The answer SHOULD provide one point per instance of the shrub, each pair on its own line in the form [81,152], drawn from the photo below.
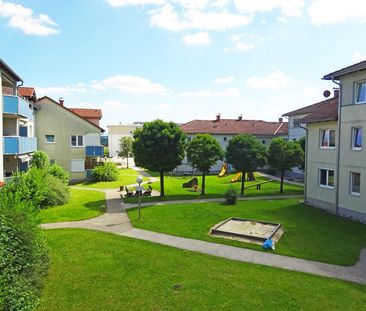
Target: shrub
[59,172]
[23,254]
[40,159]
[57,192]
[106,172]
[230,196]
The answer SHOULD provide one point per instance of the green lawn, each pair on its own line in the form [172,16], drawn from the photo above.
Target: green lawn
[126,176]
[83,204]
[215,188]
[310,233]
[98,271]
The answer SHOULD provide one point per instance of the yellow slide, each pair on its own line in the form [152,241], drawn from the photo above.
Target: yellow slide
[236,178]
[223,171]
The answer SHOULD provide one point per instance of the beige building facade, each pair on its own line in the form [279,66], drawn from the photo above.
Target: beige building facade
[68,139]
[116,132]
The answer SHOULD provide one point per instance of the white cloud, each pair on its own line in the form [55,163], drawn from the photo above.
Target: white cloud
[330,11]
[230,92]
[199,38]
[130,84]
[167,17]
[290,8]
[24,19]
[120,3]
[60,90]
[241,46]
[358,57]
[163,107]
[273,81]
[202,93]
[224,80]
[114,105]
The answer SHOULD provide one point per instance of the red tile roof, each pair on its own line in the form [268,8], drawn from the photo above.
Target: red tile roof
[344,71]
[326,112]
[88,113]
[26,91]
[2,184]
[232,126]
[312,108]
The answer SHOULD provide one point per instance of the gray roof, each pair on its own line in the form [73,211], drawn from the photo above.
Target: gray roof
[9,70]
[344,71]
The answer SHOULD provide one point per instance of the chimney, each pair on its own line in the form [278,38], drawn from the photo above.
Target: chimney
[240,117]
[218,116]
[336,92]
[61,101]
[280,120]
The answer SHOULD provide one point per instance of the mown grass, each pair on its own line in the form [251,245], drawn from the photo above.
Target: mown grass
[98,271]
[83,204]
[310,233]
[126,176]
[216,187]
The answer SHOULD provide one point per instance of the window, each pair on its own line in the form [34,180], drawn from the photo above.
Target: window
[326,178]
[356,138]
[327,139]
[77,140]
[225,138]
[355,183]
[77,165]
[361,92]
[296,123]
[189,139]
[263,142]
[50,139]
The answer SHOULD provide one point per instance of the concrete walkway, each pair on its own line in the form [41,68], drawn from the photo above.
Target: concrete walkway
[116,221]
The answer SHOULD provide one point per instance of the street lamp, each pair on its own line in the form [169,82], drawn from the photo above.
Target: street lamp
[139,191]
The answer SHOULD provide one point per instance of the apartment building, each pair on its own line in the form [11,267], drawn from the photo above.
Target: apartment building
[18,141]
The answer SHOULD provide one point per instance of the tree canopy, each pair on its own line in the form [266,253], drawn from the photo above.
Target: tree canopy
[125,147]
[204,151]
[246,154]
[284,155]
[159,146]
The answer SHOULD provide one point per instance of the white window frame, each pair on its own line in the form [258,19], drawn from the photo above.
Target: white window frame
[353,138]
[49,142]
[358,85]
[356,194]
[321,138]
[77,136]
[327,177]
[77,170]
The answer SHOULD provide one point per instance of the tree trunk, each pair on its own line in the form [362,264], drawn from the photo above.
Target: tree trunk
[162,183]
[242,182]
[203,183]
[127,160]
[281,185]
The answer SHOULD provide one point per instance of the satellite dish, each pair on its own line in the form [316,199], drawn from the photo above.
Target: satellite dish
[326,93]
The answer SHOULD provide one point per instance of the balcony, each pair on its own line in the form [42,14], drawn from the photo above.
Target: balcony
[19,145]
[17,106]
[94,151]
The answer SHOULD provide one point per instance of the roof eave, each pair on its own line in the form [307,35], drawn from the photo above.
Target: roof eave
[11,71]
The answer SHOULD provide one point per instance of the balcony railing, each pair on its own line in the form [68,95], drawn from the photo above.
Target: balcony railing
[94,151]
[19,145]
[17,105]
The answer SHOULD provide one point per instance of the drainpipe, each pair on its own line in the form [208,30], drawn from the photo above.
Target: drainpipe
[338,149]
[306,165]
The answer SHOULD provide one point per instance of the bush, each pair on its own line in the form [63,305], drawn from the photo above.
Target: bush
[58,171]
[23,254]
[106,172]
[230,197]
[40,159]
[39,188]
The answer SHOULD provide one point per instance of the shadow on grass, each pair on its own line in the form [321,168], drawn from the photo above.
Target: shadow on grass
[99,205]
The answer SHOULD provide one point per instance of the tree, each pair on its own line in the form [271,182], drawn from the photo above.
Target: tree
[284,155]
[40,159]
[302,142]
[159,146]
[125,147]
[204,151]
[246,154]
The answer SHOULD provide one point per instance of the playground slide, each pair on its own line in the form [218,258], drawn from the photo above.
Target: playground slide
[223,171]
[236,178]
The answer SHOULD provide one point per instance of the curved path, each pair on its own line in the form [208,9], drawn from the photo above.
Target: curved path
[116,221]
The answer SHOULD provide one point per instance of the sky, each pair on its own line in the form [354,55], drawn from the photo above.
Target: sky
[180,60]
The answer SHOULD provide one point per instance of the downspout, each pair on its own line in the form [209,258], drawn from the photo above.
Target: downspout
[338,149]
[306,164]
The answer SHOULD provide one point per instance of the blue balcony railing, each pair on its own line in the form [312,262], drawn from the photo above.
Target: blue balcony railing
[94,151]
[19,145]
[17,105]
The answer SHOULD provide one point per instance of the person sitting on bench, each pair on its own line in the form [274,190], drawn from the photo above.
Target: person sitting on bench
[148,191]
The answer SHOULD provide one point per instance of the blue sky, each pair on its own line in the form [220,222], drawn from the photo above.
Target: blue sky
[179,60]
